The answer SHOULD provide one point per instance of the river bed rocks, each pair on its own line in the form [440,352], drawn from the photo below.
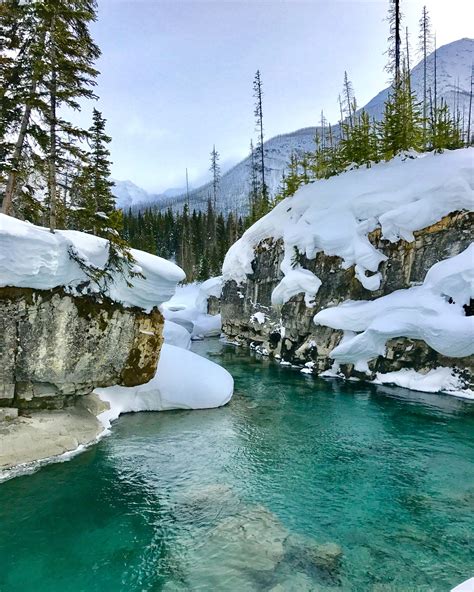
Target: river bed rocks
[245,547]
[289,334]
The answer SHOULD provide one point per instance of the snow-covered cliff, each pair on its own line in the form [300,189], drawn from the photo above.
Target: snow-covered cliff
[336,274]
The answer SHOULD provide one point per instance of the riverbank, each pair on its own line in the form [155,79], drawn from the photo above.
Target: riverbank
[38,437]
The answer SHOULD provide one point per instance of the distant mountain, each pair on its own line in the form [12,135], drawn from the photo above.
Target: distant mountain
[453,66]
[128,195]
[453,63]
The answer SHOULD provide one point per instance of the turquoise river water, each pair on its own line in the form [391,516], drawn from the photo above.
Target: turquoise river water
[242,498]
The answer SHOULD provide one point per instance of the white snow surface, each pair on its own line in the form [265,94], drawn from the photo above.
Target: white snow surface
[336,215]
[32,257]
[440,379]
[432,312]
[467,586]
[188,308]
[183,380]
[175,334]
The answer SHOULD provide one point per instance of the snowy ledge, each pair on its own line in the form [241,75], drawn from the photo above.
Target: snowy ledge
[336,215]
[33,257]
[435,312]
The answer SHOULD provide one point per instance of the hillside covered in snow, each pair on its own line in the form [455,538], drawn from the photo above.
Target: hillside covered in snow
[454,63]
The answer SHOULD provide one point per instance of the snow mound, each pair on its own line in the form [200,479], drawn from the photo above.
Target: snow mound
[437,380]
[432,312]
[188,308]
[175,334]
[467,586]
[203,385]
[336,215]
[33,257]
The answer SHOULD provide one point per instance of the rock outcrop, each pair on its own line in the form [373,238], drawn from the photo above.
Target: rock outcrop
[289,333]
[55,347]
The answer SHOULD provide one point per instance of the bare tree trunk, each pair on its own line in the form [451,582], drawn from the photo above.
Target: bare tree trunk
[12,176]
[470,109]
[398,42]
[425,41]
[52,132]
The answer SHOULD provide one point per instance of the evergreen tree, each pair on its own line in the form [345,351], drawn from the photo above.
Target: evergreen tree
[23,43]
[258,112]
[402,126]
[254,184]
[54,69]
[445,133]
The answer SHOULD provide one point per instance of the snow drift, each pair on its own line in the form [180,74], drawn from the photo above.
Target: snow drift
[188,308]
[433,312]
[183,380]
[32,257]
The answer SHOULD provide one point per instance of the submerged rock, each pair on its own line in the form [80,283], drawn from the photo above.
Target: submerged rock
[249,550]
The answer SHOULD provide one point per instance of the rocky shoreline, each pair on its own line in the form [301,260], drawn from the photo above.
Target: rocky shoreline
[37,437]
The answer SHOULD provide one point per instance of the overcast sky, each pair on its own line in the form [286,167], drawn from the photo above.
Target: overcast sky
[176,76]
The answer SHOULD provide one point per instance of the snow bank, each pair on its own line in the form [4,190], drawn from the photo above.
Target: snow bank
[432,312]
[336,215]
[437,380]
[33,257]
[188,308]
[183,380]
[467,586]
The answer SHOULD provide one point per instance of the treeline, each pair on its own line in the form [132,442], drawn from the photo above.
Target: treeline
[53,172]
[197,241]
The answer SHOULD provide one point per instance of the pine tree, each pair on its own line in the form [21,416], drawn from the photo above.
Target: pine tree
[23,41]
[401,128]
[258,112]
[55,71]
[254,184]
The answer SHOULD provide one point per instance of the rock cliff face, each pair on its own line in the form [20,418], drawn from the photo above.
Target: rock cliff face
[55,347]
[289,332]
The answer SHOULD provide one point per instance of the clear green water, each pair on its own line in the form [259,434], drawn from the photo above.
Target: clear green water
[386,474]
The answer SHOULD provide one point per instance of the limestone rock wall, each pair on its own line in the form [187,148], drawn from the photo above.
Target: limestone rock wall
[290,334]
[55,347]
